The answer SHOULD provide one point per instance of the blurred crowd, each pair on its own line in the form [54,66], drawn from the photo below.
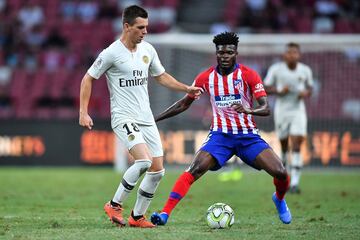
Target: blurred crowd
[293,16]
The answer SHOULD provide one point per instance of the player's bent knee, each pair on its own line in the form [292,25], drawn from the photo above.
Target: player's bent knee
[134,172]
[143,164]
[281,173]
[157,175]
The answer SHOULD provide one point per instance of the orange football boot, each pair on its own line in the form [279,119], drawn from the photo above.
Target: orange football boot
[115,214]
[141,223]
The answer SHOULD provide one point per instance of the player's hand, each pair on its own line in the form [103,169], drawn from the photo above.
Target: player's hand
[85,120]
[284,91]
[304,94]
[238,107]
[194,91]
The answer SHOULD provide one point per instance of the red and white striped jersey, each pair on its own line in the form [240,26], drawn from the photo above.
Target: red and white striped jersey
[238,87]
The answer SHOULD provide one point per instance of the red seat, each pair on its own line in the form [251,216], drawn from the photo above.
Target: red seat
[343,26]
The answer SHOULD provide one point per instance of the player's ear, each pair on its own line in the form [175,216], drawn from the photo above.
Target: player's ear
[126,27]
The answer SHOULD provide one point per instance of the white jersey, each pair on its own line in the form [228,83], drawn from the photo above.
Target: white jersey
[279,76]
[127,79]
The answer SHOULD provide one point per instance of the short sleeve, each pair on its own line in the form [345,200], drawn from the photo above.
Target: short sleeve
[256,84]
[270,76]
[102,63]
[200,82]
[156,68]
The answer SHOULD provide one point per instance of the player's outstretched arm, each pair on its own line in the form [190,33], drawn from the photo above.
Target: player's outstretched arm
[85,93]
[178,107]
[169,81]
[261,110]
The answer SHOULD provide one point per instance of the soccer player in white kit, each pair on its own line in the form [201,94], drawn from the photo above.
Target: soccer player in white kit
[126,64]
[291,81]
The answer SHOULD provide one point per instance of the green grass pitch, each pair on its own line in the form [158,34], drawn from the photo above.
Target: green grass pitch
[66,203]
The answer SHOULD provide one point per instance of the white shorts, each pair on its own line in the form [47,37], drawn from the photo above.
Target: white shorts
[131,133]
[290,125]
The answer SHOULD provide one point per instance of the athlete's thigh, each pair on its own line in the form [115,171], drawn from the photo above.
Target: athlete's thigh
[202,163]
[248,147]
[220,146]
[270,162]
[131,136]
[153,140]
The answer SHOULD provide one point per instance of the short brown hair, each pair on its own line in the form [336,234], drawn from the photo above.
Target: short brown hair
[132,12]
[293,44]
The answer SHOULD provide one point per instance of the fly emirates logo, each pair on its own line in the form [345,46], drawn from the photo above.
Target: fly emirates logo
[227,100]
[137,80]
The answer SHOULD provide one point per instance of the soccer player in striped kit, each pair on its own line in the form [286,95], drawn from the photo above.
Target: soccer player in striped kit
[231,87]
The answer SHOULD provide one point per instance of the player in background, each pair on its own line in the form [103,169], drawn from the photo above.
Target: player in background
[291,81]
[231,88]
[127,62]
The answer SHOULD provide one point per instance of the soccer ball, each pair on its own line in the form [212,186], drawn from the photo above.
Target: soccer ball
[220,215]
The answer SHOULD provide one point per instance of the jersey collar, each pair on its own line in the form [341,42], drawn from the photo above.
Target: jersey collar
[235,67]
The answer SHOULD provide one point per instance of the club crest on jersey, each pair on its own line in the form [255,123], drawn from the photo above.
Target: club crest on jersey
[131,137]
[145,59]
[238,83]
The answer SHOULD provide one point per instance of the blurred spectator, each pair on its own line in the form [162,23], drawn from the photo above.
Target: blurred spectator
[6,109]
[87,11]
[108,9]
[219,27]
[256,5]
[35,37]
[2,5]
[125,3]
[319,16]
[5,75]
[53,58]
[31,60]
[55,39]
[30,15]
[327,8]
[68,9]
[323,25]
[162,18]
[72,58]
[45,101]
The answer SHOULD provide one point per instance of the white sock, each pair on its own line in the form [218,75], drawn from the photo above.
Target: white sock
[296,165]
[146,191]
[130,178]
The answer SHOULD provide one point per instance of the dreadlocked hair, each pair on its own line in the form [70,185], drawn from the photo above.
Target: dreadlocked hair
[226,38]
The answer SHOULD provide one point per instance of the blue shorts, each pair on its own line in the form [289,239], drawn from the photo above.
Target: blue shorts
[222,146]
